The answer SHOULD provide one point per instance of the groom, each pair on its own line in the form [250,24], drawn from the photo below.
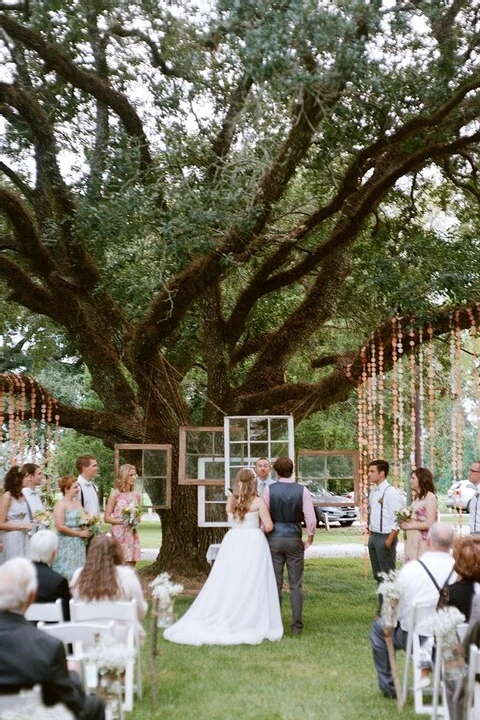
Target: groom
[289,504]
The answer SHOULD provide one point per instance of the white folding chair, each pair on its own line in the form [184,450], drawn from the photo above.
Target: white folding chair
[19,700]
[124,614]
[80,636]
[421,612]
[45,612]
[473,688]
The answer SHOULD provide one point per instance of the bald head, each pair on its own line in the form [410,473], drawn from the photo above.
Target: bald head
[440,537]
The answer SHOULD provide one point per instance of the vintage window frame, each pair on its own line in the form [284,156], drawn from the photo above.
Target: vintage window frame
[182,461]
[149,446]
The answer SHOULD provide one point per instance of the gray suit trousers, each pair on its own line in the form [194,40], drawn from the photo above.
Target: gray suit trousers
[289,551]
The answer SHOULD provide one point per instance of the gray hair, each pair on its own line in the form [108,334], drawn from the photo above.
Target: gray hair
[18,578]
[441,536]
[43,545]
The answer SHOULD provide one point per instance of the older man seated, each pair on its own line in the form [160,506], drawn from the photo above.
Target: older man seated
[51,585]
[417,587]
[29,656]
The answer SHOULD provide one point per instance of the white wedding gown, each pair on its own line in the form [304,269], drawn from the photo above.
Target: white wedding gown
[239,601]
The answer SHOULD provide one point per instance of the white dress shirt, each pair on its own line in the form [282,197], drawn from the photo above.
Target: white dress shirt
[88,496]
[262,484]
[384,501]
[33,500]
[474,510]
[417,586]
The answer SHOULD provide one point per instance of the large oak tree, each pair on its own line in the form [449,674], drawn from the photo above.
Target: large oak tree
[212,204]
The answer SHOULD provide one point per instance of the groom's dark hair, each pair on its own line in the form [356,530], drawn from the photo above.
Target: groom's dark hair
[283,466]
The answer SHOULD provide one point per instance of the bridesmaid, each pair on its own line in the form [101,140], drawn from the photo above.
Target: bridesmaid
[67,514]
[424,513]
[14,517]
[121,497]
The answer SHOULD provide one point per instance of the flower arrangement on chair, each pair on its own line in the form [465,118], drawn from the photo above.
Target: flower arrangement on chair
[444,626]
[163,592]
[108,659]
[391,592]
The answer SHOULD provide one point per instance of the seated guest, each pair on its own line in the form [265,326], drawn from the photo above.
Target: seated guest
[417,586]
[466,553]
[104,577]
[51,585]
[29,656]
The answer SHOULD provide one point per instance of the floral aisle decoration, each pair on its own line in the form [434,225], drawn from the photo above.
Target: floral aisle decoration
[444,626]
[106,662]
[131,516]
[391,592]
[163,593]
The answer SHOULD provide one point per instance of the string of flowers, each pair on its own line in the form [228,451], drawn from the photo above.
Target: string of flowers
[413,404]
[401,416]
[421,390]
[459,409]
[381,400]
[431,397]
[373,399]
[395,400]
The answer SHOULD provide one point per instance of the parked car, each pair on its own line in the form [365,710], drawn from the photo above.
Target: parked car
[344,513]
[459,495]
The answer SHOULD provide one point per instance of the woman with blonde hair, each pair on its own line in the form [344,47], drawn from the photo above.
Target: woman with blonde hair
[104,577]
[123,513]
[239,601]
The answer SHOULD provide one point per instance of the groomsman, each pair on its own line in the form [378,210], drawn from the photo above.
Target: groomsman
[262,470]
[384,501]
[31,486]
[87,467]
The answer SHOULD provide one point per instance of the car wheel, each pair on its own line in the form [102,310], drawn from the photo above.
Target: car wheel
[346,523]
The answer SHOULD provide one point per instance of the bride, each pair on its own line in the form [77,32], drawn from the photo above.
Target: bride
[239,601]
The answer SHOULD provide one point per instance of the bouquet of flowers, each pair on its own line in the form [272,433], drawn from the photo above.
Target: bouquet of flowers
[91,522]
[42,518]
[131,516]
[403,515]
[48,498]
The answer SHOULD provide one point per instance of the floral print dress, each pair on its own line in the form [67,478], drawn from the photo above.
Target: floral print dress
[72,550]
[124,534]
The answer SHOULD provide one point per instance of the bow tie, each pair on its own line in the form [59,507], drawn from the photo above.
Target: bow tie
[88,483]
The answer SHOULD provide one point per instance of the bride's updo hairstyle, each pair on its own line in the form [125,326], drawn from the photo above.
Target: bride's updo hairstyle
[244,492]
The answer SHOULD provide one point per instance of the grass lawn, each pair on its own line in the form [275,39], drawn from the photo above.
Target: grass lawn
[326,673]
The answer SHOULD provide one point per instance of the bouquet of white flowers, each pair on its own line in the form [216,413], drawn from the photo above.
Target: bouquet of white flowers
[91,522]
[131,516]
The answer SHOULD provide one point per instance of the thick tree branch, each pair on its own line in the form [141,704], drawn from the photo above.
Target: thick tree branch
[27,191]
[89,82]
